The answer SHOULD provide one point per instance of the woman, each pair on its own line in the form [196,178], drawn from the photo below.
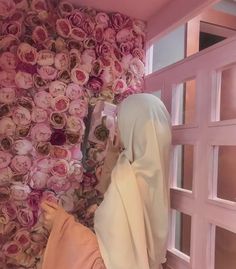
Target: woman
[131,223]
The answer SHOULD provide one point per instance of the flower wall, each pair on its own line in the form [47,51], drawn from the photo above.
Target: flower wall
[56,63]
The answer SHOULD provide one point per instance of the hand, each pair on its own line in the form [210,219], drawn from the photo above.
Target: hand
[49,211]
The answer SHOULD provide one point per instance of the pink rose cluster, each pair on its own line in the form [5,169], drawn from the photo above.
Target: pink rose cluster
[56,60]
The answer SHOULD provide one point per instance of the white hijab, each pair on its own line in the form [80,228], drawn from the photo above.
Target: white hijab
[131,223]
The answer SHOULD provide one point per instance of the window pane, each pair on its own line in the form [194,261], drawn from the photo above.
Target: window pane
[182,232]
[225,249]
[184,158]
[226,183]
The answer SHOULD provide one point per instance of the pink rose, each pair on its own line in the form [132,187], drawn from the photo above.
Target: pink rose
[105,49]
[117,68]
[7,78]
[21,116]
[58,184]
[41,132]
[89,181]
[107,75]
[39,5]
[89,43]
[32,20]
[57,88]
[6,143]
[57,120]
[75,57]
[21,164]
[88,25]
[7,126]
[99,34]
[39,115]
[27,53]
[102,19]
[124,35]
[60,153]
[60,168]
[64,76]
[76,153]
[60,103]
[120,21]
[45,164]
[8,42]
[39,82]
[43,148]
[139,53]
[7,95]
[76,171]
[45,57]
[22,236]
[75,124]
[5,176]
[4,219]
[5,195]
[22,147]
[76,18]
[40,34]
[21,4]
[13,28]
[25,217]
[110,35]
[9,209]
[65,8]
[8,61]
[119,86]
[95,84]
[22,130]
[49,196]
[73,91]
[126,47]
[139,27]
[78,34]
[78,108]
[26,102]
[11,249]
[39,180]
[7,8]
[19,191]
[67,201]
[79,76]
[88,56]
[47,72]
[5,159]
[62,61]
[43,99]
[63,27]
[24,80]
[137,67]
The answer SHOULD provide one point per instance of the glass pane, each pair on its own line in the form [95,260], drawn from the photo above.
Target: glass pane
[184,99]
[225,249]
[182,232]
[169,49]
[226,183]
[184,158]
[228,94]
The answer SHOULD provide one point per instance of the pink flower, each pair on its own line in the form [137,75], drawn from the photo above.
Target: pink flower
[4,110]
[5,159]
[110,35]
[62,61]
[64,76]
[19,191]
[39,5]
[79,76]
[41,132]
[124,35]
[6,143]
[25,217]
[7,8]
[126,47]
[60,153]
[105,49]
[139,53]
[76,169]
[117,68]
[75,124]
[39,180]
[21,164]
[65,8]
[57,88]
[24,80]
[49,196]
[7,126]
[139,27]
[27,53]
[8,41]
[57,120]
[60,103]
[137,67]
[44,164]
[89,43]
[22,130]
[95,84]
[43,148]
[58,184]
[74,91]
[78,108]
[7,95]
[9,209]
[21,4]
[60,168]
[88,56]
[99,34]
[45,57]
[102,19]
[7,78]
[40,34]
[78,34]
[75,57]
[47,72]
[39,82]
[39,115]
[63,27]
[43,99]
[67,201]
[8,61]
[11,249]
[4,219]
[5,194]
[5,176]
[120,21]
[89,181]
[26,102]
[76,153]
[58,138]
[13,28]
[22,236]
[119,86]
[76,18]
[21,116]
[22,147]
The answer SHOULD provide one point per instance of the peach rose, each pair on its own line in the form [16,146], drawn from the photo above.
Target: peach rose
[78,108]
[74,91]
[75,124]
[41,132]
[7,78]
[8,61]
[27,53]
[60,103]
[57,88]
[7,95]
[24,80]
[39,115]
[47,72]
[21,116]
[60,168]
[21,164]
[62,61]
[43,99]
[79,76]
[45,57]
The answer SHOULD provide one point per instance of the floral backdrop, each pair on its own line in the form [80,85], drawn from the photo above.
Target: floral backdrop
[57,62]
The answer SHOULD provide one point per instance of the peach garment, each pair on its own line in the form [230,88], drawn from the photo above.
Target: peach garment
[71,246]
